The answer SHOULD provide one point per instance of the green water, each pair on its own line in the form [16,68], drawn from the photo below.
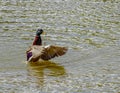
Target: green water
[89,28]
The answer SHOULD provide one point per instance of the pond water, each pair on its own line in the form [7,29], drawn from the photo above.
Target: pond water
[89,28]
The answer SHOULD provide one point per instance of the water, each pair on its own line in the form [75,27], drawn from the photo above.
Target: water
[89,28]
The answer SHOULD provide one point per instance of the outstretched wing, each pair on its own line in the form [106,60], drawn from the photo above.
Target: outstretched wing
[52,51]
[45,52]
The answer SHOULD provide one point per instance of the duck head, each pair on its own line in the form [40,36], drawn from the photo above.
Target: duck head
[39,32]
[38,40]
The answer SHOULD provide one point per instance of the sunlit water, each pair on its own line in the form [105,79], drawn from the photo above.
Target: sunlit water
[91,31]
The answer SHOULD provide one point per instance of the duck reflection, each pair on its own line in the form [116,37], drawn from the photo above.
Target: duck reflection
[40,70]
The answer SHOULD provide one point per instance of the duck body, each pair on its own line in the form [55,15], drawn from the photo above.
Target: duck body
[38,52]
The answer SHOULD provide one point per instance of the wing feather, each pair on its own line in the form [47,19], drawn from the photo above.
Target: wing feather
[46,52]
[53,51]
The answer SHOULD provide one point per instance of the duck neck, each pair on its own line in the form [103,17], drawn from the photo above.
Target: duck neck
[37,40]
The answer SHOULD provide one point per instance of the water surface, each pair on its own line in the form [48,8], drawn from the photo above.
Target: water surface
[91,31]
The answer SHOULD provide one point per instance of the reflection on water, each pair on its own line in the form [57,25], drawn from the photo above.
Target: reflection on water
[42,69]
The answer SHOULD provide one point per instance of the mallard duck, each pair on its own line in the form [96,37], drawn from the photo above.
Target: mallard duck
[38,51]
